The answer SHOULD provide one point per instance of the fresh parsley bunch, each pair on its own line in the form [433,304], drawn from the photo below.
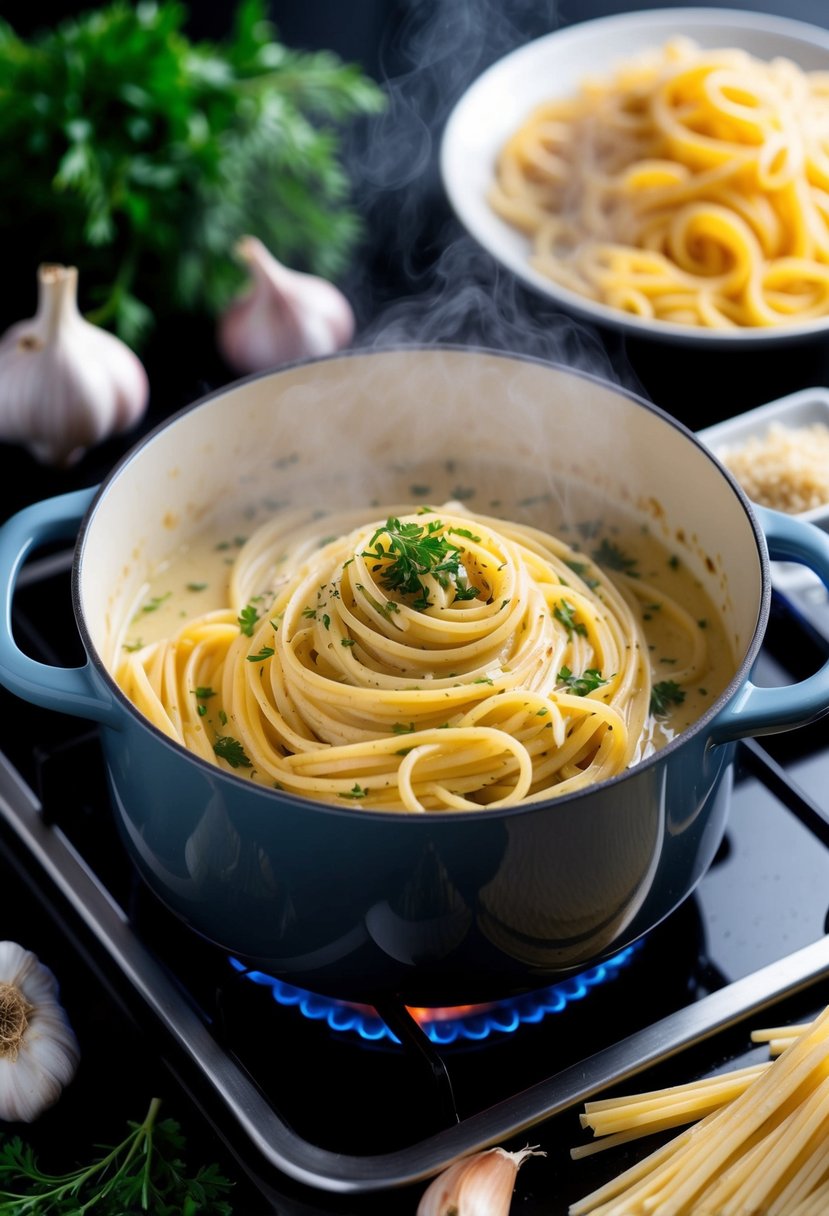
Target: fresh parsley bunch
[142,157]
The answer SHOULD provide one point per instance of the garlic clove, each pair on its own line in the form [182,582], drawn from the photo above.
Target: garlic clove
[479,1185]
[66,384]
[39,1053]
[284,315]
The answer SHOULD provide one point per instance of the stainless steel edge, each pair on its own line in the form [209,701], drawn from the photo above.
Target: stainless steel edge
[297,1158]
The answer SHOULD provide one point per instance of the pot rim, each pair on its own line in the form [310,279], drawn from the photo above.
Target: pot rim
[454,817]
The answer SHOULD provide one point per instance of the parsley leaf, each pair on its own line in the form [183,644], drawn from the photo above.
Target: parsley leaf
[356,791]
[588,681]
[611,557]
[231,749]
[565,614]
[247,619]
[664,694]
[264,653]
[153,605]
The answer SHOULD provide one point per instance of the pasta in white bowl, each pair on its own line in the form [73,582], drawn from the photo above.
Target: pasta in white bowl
[662,172]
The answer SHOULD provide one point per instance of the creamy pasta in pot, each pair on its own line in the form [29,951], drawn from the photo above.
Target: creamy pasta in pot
[424,659]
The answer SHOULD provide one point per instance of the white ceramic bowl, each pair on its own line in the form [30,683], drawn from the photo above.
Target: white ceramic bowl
[554,66]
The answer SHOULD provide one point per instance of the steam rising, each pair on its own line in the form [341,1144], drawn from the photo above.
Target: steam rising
[438,285]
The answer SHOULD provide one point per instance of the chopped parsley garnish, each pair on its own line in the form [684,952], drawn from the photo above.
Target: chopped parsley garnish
[407,552]
[203,694]
[565,615]
[197,586]
[231,749]
[356,791]
[347,642]
[664,694]
[326,620]
[580,686]
[155,603]
[247,619]
[611,557]
[466,593]
[310,614]
[264,653]
[581,568]
[403,728]
[131,646]
[589,528]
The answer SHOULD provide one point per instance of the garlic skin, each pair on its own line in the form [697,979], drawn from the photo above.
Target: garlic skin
[479,1185]
[283,316]
[66,384]
[39,1052]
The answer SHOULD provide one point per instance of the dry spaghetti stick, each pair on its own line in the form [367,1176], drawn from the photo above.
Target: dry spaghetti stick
[670,1110]
[658,1095]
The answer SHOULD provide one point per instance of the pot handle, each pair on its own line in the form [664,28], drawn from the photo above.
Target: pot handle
[766,711]
[71,690]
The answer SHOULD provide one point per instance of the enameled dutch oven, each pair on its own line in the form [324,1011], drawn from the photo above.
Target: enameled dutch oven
[441,908]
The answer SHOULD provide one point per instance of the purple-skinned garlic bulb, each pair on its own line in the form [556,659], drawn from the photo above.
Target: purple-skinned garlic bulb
[284,315]
[66,384]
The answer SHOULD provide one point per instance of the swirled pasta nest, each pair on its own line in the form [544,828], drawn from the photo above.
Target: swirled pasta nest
[500,667]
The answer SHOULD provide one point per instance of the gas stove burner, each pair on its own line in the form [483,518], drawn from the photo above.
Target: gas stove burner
[472,1023]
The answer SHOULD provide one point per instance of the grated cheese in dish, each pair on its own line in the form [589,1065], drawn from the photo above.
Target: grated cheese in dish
[787,468]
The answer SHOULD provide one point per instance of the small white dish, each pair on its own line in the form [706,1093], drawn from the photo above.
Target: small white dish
[554,66]
[803,408]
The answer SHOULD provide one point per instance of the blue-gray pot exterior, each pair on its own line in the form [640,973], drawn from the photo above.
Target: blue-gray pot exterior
[436,909]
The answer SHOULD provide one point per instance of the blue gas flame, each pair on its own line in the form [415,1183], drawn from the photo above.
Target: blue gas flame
[474,1023]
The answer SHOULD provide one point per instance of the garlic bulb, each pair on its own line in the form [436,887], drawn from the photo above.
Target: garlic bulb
[65,384]
[283,316]
[479,1185]
[39,1053]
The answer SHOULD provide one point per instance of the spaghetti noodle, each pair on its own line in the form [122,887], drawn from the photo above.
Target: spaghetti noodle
[418,661]
[689,186]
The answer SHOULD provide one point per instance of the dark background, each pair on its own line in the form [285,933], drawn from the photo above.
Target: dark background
[417,277]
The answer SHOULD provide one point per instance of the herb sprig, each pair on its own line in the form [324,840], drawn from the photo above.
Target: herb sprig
[152,154]
[406,552]
[589,680]
[143,1173]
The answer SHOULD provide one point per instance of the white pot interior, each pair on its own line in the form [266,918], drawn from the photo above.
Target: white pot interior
[514,438]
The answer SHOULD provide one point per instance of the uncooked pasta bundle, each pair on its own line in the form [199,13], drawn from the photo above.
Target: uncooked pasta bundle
[688,186]
[435,660]
[758,1144]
